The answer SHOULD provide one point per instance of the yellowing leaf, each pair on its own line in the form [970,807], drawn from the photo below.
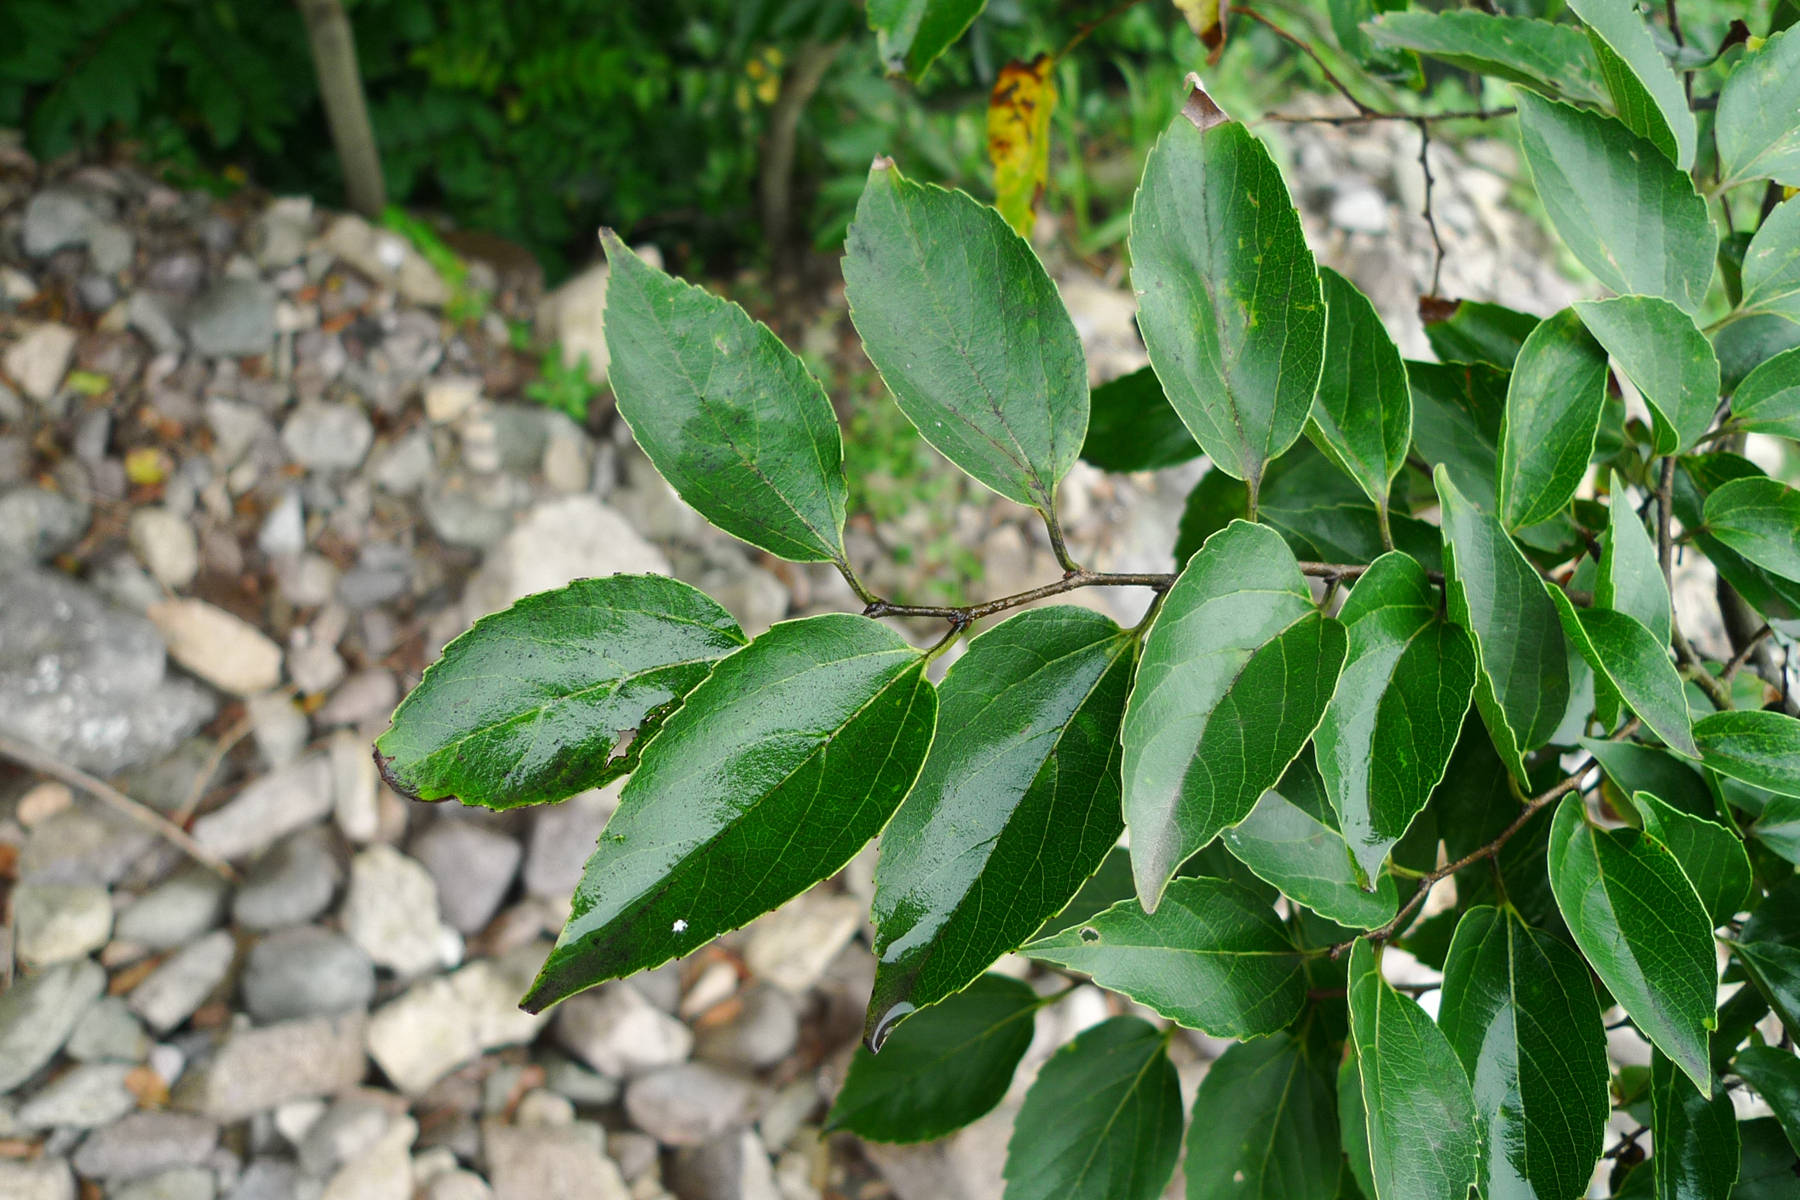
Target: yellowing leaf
[147,465]
[1203,18]
[1018,133]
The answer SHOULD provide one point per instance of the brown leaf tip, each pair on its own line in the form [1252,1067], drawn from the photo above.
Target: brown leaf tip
[882,163]
[1200,108]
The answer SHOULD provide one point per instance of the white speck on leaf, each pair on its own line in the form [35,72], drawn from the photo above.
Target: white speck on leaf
[680,926]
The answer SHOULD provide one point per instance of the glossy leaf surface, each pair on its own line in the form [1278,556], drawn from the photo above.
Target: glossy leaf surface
[1520,1013]
[1263,1127]
[1642,927]
[1517,49]
[1630,578]
[1423,1143]
[1760,748]
[1522,666]
[1758,137]
[1645,92]
[1636,665]
[1016,806]
[1623,209]
[1229,301]
[1552,414]
[1775,1074]
[1711,856]
[528,706]
[942,1068]
[1768,400]
[1666,357]
[1479,332]
[1389,730]
[774,773]
[1235,675]
[728,415]
[1695,1135]
[1457,412]
[1132,427]
[1768,946]
[1103,1120]
[1362,415]
[1760,519]
[969,333]
[1213,957]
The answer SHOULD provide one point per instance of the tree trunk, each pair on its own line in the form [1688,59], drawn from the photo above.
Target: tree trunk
[776,182]
[340,87]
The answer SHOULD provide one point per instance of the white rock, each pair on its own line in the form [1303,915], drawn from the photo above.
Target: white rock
[260,1069]
[324,436]
[619,1033]
[441,1023]
[391,911]
[1359,209]
[355,785]
[87,1097]
[792,946]
[690,1104]
[534,1162]
[450,397]
[165,544]
[575,537]
[283,531]
[39,1179]
[269,809]
[381,1172]
[457,1185]
[226,651]
[574,316]
[38,361]
[388,259]
[171,993]
[56,922]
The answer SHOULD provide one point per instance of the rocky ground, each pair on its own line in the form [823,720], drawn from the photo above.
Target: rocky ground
[252,478]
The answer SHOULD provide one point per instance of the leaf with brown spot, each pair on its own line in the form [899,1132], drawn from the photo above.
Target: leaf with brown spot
[1018,138]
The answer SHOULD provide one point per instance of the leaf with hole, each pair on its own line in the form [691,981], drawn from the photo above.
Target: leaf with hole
[728,415]
[1520,1013]
[1521,659]
[528,706]
[1423,1140]
[1643,929]
[1229,301]
[942,1067]
[1212,957]
[1015,808]
[1393,721]
[773,774]
[969,333]
[1624,210]
[1103,1120]
[1235,675]
[1553,403]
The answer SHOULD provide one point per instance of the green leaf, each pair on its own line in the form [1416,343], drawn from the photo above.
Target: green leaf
[1777,828]
[1107,886]
[941,1068]
[910,34]
[529,704]
[1478,332]
[1347,17]
[1634,664]
[1695,1136]
[1389,730]
[1769,594]
[1213,957]
[1353,1124]
[1668,360]
[964,324]
[1711,856]
[1421,1114]
[1131,426]
[791,755]
[1775,1074]
[1760,748]
[1362,415]
[1772,265]
[1264,1126]
[728,415]
[1016,806]
[1457,412]
[1236,672]
[1521,658]
[1229,300]
[1637,768]
[1516,49]
[1630,579]
[1291,840]
[1623,209]
[1755,127]
[1760,519]
[1520,1012]
[1768,946]
[1767,1170]
[1644,89]
[1642,927]
[1103,1120]
[1553,406]
[1768,400]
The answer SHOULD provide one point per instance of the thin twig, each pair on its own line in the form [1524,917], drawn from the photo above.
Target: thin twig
[1082,32]
[1744,655]
[1532,807]
[1054,527]
[1665,545]
[34,759]
[197,791]
[1306,48]
[1375,114]
[1437,240]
